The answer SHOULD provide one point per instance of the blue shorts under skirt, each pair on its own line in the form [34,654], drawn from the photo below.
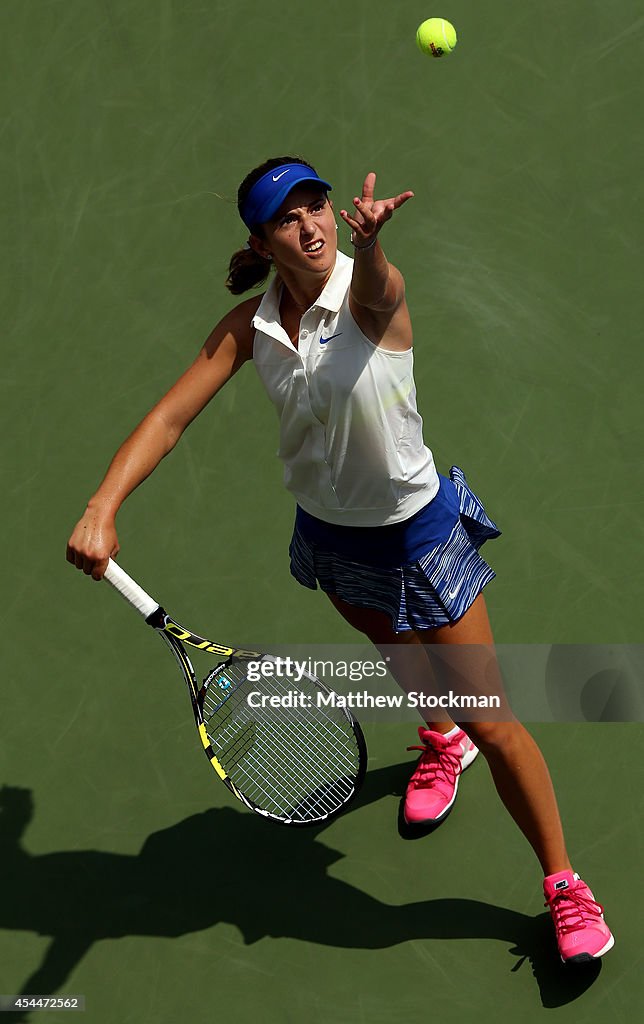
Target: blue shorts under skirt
[433,590]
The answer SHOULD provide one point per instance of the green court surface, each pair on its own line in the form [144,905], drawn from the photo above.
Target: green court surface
[127,873]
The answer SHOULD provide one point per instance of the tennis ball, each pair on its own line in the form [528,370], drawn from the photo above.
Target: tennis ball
[436,36]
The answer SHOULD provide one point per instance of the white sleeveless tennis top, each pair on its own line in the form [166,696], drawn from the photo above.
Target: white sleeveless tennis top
[350,434]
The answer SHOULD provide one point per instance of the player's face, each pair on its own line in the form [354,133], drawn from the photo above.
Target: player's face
[303,234]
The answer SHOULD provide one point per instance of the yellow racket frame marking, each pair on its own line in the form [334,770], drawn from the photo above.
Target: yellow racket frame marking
[179,632]
[201,644]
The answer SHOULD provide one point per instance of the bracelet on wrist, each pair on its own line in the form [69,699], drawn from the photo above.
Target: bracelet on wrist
[369,246]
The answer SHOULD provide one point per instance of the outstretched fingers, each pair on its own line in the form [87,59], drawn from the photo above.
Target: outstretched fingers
[400,200]
[369,187]
[370,214]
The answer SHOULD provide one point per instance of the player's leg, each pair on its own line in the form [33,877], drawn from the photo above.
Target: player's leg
[406,657]
[519,771]
[445,750]
[517,765]
[523,782]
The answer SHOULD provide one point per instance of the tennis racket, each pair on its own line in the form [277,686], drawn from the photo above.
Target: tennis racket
[296,766]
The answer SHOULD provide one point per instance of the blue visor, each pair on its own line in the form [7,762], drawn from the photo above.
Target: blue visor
[267,195]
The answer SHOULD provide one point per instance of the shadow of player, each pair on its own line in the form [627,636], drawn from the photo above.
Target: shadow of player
[225,865]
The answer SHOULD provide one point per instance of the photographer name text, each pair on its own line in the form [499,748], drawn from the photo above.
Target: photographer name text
[363,699]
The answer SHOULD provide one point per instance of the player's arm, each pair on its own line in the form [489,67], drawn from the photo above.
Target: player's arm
[94,538]
[377,287]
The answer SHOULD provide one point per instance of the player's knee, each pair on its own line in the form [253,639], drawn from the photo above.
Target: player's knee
[491,737]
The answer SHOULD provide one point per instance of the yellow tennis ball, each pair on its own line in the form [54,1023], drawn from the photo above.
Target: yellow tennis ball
[436,37]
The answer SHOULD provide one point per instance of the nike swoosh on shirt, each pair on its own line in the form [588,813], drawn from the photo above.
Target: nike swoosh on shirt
[452,593]
[323,341]
[276,177]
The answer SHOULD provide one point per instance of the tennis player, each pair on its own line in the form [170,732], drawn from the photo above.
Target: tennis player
[394,544]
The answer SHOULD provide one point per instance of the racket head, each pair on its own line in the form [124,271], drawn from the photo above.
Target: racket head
[297,765]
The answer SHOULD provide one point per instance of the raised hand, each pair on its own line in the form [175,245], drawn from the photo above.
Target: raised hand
[370,214]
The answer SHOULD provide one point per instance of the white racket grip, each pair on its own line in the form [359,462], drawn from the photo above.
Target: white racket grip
[131,591]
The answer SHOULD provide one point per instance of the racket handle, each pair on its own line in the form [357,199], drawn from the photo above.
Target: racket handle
[131,591]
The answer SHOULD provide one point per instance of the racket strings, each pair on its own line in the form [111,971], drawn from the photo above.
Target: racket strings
[291,763]
[328,730]
[300,805]
[304,800]
[316,721]
[294,801]
[285,735]
[334,731]
[328,793]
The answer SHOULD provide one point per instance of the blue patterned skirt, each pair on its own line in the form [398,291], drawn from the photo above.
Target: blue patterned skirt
[423,573]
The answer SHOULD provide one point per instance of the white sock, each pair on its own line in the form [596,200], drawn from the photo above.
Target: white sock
[452,732]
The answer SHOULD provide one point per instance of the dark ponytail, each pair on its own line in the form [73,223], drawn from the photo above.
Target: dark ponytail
[247,269]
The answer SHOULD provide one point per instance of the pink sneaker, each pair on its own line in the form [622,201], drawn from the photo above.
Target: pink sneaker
[579,923]
[432,788]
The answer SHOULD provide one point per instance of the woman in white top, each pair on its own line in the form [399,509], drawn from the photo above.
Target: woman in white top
[392,543]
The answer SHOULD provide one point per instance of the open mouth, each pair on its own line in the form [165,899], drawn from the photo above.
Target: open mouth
[314,246]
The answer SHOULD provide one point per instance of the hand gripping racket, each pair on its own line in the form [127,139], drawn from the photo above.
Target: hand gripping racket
[295,765]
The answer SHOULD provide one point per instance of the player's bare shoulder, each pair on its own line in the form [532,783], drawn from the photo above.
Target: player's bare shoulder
[236,330]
